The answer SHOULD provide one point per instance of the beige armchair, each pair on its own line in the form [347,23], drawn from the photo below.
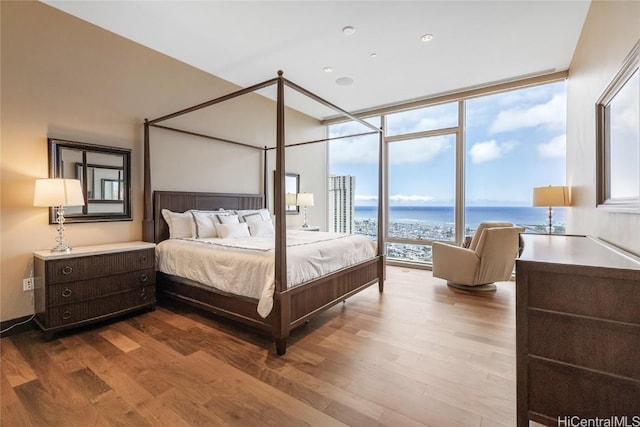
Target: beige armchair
[489,258]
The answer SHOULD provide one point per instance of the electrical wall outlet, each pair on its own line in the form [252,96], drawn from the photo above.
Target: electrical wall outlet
[27,284]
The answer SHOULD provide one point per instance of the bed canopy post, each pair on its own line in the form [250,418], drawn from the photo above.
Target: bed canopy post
[147,222]
[281,322]
[382,180]
[265,179]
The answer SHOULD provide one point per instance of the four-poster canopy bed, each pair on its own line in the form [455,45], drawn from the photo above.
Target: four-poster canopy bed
[292,305]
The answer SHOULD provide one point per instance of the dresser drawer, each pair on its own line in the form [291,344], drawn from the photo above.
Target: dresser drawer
[70,292]
[559,390]
[81,268]
[611,298]
[106,306]
[589,343]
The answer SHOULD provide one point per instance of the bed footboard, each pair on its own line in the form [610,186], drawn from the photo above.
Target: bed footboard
[291,308]
[299,304]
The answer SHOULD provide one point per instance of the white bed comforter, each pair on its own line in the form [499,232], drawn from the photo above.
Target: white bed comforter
[245,266]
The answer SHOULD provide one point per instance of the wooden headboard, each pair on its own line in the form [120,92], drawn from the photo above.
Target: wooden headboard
[180,201]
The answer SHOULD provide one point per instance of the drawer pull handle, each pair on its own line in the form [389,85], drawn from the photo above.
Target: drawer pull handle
[66,293]
[66,315]
[143,258]
[67,270]
[143,295]
[143,277]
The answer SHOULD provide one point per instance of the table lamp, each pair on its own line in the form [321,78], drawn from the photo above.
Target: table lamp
[304,200]
[58,193]
[552,195]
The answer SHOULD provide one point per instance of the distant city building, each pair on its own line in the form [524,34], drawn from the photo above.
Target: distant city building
[341,203]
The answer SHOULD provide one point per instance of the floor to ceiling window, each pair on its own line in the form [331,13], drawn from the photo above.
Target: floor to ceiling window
[441,186]
[515,141]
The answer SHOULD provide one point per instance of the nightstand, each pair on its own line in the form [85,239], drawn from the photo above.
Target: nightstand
[92,283]
[309,228]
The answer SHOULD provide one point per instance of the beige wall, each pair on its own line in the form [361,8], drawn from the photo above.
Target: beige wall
[65,78]
[610,31]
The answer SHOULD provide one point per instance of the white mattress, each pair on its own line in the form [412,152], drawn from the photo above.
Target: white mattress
[245,266]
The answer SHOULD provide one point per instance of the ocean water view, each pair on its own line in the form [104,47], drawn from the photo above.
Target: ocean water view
[436,223]
[474,215]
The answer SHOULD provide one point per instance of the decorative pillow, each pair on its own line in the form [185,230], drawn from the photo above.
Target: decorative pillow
[205,223]
[262,213]
[261,228]
[228,219]
[240,229]
[181,225]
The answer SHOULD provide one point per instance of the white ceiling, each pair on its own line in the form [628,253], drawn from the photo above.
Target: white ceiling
[246,42]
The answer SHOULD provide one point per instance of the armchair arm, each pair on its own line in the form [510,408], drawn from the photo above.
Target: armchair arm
[455,264]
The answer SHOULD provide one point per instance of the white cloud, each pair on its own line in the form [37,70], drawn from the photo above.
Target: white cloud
[418,150]
[551,114]
[434,117]
[555,148]
[489,150]
[365,198]
[361,150]
[411,199]
[354,150]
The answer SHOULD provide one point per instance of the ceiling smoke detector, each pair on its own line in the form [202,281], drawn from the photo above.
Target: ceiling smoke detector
[344,81]
[348,30]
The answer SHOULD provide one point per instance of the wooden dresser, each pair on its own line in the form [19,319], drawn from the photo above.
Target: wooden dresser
[92,283]
[578,331]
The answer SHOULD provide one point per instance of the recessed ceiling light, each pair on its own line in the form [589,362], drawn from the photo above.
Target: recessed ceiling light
[427,37]
[348,30]
[373,55]
[344,81]
[327,69]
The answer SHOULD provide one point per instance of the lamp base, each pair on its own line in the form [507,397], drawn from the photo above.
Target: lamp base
[62,249]
[305,225]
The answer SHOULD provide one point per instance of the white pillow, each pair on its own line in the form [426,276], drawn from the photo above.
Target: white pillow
[261,228]
[181,225]
[253,213]
[228,219]
[233,230]
[205,224]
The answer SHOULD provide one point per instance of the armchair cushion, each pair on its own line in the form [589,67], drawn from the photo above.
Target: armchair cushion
[459,265]
[481,227]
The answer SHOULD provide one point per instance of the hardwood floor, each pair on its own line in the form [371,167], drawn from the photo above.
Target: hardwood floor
[419,354]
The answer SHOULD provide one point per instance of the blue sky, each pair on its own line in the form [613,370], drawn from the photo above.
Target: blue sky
[514,141]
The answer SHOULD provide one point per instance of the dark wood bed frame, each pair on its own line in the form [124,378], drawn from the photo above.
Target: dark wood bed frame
[291,307]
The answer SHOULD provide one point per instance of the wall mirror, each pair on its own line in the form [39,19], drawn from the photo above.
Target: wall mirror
[291,189]
[618,138]
[105,173]
[292,186]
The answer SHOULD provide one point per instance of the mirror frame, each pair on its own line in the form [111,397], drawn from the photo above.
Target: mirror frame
[605,139]
[55,171]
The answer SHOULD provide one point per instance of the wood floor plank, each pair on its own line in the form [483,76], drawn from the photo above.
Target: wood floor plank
[248,386]
[16,370]
[122,342]
[420,354]
[12,412]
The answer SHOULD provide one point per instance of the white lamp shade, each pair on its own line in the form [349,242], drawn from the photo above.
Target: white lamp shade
[305,199]
[552,195]
[290,199]
[58,192]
